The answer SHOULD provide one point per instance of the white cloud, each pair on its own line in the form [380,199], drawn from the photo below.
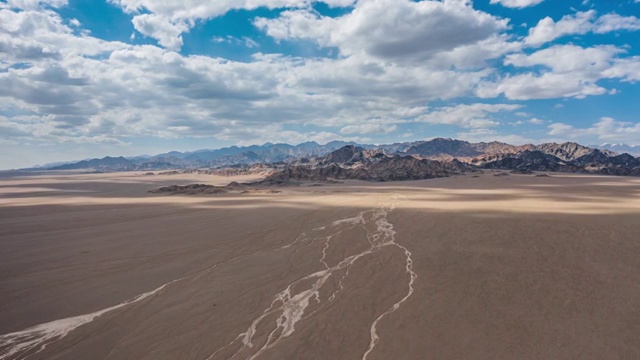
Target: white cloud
[578,24]
[275,133]
[146,91]
[568,58]
[627,69]
[477,55]
[569,71]
[243,41]
[534,121]
[605,130]
[192,10]
[548,30]
[614,22]
[249,42]
[384,28]
[489,135]
[78,86]
[408,134]
[166,20]
[368,129]
[168,33]
[516,3]
[560,129]
[40,35]
[468,116]
[296,24]
[395,30]
[35,4]
[546,86]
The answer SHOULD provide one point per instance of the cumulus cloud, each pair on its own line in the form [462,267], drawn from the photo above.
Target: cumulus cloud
[368,129]
[568,58]
[276,133]
[166,20]
[605,130]
[397,30]
[627,69]
[40,35]
[489,135]
[569,71]
[580,23]
[73,85]
[548,30]
[167,32]
[614,22]
[516,3]
[467,115]
[35,4]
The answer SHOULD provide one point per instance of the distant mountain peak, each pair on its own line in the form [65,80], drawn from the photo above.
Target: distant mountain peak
[622,148]
[567,156]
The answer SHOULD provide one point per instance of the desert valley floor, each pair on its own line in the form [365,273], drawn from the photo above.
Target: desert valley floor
[92,266]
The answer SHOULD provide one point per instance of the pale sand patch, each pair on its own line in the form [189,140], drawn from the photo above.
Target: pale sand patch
[514,267]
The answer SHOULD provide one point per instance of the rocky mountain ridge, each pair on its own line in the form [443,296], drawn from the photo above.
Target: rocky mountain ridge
[218,158]
[620,148]
[357,163]
[411,160]
[353,162]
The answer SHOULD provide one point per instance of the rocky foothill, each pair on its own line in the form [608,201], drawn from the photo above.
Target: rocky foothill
[427,160]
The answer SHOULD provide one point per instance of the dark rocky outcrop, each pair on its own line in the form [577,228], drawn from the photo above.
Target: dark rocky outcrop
[444,147]
[192,189]
[590,161]
[359,164]
[261,187]
[344,155]
[236,170]
[522,171]
[569,151]
[530,161]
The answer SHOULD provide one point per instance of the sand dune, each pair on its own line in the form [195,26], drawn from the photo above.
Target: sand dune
[516,267]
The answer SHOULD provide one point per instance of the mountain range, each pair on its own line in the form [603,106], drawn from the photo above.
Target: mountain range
[621,148]
[234,155]
[408,160]
[445,157]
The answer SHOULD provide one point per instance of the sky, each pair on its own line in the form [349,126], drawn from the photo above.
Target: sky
[91,78]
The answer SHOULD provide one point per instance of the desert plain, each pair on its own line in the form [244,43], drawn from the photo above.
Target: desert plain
[93,266]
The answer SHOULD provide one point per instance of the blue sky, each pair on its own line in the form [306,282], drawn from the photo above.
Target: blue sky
[90,78]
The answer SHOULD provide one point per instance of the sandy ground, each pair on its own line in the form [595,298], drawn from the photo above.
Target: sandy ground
[514,267]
